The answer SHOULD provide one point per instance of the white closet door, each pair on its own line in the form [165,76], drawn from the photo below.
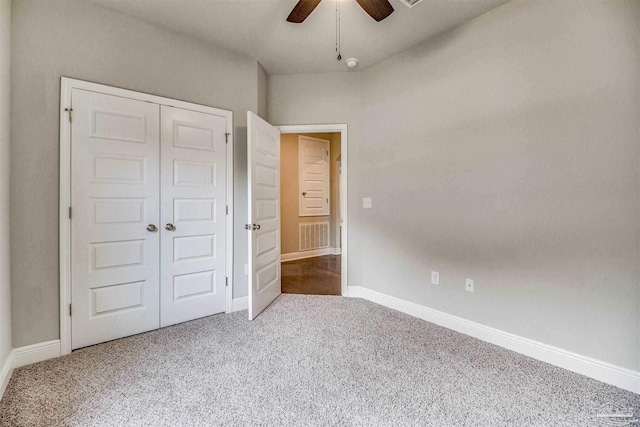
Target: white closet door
[193,206]
[263,148]
[114,195]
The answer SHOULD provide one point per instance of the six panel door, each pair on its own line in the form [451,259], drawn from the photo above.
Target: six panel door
[193,180]
[115,179]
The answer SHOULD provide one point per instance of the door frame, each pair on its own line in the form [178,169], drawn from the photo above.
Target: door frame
[344,211]
[66,86]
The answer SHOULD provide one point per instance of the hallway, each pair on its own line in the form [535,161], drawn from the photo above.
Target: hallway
[316,276]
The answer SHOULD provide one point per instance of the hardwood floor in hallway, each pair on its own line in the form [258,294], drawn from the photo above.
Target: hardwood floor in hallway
[315,276]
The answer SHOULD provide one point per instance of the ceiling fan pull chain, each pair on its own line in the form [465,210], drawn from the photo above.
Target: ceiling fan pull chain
[338,29]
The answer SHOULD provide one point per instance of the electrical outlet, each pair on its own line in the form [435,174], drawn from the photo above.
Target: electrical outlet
[435,278]
[366,202]
[468,285]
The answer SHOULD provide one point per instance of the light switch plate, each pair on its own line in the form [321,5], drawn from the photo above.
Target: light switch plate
[435,278]
[366,202]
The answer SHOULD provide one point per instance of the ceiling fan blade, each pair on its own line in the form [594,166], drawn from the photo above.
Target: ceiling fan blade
[301,10]
[377,9]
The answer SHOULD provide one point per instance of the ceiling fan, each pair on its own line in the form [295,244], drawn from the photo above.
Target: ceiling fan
[377,9]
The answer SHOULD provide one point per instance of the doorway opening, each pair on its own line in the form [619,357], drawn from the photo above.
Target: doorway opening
[313,209]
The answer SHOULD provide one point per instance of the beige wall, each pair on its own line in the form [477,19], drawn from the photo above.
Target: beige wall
[289,190]
[5,290]
[80,40]
[505,150]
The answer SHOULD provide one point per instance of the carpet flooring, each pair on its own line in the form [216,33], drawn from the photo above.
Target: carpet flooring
[307,360]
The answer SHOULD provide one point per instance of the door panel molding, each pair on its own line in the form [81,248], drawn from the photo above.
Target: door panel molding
[130,127]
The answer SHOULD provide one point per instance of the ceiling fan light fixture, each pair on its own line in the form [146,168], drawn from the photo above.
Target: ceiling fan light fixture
[352,62]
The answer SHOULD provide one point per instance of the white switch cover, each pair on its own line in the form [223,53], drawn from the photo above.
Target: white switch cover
[366,202]
[435,278]
[468,285]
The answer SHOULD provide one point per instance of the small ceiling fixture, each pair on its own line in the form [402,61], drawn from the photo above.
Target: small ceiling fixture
[352,62]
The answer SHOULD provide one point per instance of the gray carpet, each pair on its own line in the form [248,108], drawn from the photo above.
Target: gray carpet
[307,360]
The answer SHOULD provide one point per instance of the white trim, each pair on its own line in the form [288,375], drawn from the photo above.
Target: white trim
[229,275]
[5,373]
[69,83]
[65,222]
[240,304]
[344,211]
[602,371]
[34,353]
[336,251]
[66,86]
[27,355]
[292,256]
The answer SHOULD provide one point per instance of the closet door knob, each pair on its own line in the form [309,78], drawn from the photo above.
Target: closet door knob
[152,228]
[170,227]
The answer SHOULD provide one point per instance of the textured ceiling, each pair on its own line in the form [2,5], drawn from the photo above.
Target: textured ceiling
[258,28]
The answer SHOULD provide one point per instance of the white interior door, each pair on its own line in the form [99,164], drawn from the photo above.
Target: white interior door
[314,176]
[193,206]
[263,151]
[115,200]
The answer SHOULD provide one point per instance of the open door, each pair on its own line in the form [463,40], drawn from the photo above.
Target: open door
[263,152]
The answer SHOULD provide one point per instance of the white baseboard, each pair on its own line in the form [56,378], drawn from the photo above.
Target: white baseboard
[5,373]
[602,371]
[26,355]
[36,353]
[239,304]
[292,256]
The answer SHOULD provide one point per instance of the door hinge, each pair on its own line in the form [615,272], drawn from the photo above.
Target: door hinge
[327,152]
[227,210]
[226,281]
[69,309]
[70,111]
[226,137]
[327,200]
[69,212]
